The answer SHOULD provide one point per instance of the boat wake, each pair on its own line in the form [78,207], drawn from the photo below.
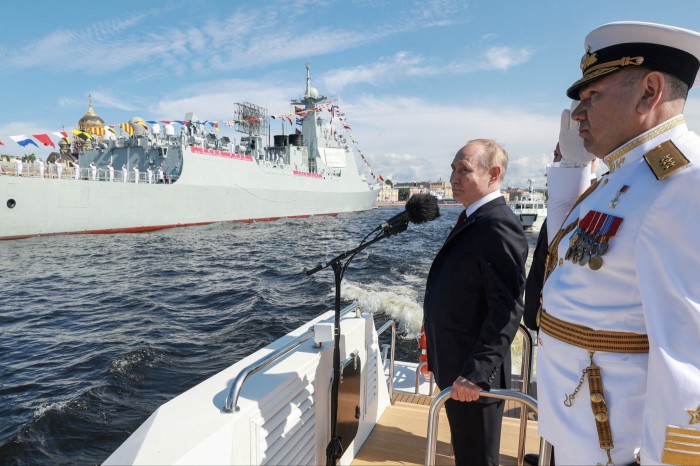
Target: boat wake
[399,302]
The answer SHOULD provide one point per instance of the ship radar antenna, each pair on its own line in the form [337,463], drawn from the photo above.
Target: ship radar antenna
[308,80]
[531,180]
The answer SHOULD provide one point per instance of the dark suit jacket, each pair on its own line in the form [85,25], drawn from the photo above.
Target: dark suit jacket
[473,298]
[535,280]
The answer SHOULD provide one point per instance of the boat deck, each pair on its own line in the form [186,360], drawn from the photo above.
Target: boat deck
[400,436]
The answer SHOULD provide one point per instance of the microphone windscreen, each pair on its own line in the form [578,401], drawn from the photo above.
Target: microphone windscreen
[422,208]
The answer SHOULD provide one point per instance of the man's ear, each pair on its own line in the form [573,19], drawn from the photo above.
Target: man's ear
[495,173]
[652,88]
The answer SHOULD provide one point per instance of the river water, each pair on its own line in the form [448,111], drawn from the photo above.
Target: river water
[97,331]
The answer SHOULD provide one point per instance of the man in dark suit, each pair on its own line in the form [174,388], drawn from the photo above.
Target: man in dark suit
[473,301]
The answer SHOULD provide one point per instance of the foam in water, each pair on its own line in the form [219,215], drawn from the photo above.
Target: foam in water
[400,302]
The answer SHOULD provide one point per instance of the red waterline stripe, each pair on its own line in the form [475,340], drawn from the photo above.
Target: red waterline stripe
[159,227]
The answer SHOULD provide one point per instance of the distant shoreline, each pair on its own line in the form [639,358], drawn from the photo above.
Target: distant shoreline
[403,203]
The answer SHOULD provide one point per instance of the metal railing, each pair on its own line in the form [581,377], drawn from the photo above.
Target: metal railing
[506,395]
[390,324]
[525,372]
[33,170]
[234,393]
[418,373]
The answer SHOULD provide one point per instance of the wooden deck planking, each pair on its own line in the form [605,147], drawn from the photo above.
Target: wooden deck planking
[400,436]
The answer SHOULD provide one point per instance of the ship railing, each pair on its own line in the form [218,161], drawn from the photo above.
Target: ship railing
[525,400]
[32,170]
[525,373]
[525,366]
[231,405]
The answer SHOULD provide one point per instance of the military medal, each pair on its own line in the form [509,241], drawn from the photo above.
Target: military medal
[602,247]
[608,230]
[575,252]
[591,243]
[616,201]
[595,262]
[591,239]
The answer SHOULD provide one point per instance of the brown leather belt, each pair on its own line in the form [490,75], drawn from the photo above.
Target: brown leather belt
[593,340]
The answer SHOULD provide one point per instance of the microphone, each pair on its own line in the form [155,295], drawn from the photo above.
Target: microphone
[420,208]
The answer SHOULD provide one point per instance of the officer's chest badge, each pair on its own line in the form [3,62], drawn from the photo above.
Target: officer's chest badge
[694,415]
[665,159]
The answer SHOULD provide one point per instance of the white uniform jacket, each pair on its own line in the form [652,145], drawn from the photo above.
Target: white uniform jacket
[649,283]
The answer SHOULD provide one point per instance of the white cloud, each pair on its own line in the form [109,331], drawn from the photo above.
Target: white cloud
[415,139]
[502,58]
[390,68]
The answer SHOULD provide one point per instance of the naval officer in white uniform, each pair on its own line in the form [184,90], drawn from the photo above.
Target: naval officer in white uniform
[619,357]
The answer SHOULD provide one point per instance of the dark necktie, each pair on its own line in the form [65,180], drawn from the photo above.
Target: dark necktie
[462,218]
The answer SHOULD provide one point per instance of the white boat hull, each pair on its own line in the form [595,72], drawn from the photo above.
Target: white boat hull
[284,409]
[532,220]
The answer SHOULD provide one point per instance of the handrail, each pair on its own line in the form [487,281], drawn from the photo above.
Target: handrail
[234,392]
[390,323]
[525,371]
[526,362]
[507,395]
[432,379]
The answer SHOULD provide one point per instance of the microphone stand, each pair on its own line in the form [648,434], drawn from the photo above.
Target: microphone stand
[334,450]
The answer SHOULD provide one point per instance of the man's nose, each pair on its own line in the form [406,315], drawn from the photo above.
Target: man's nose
[578,113]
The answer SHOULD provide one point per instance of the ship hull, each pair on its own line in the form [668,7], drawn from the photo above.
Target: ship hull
[212,188]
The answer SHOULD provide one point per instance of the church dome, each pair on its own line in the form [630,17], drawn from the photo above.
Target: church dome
[90,120]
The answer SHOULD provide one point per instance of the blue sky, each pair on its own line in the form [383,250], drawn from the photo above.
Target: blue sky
[416,79]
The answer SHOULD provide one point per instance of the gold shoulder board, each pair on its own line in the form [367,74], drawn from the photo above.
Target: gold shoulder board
[665,159]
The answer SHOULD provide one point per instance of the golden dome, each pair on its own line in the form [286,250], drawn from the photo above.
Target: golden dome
[90,119]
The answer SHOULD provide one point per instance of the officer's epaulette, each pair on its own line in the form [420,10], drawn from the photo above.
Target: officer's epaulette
[665,159]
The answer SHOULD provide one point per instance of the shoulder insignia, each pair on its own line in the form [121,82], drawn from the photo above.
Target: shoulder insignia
[665,159]
[681,446]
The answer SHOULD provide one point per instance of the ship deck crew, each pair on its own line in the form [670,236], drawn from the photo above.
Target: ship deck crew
[619,358]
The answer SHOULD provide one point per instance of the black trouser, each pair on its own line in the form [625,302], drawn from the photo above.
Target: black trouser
[476,431]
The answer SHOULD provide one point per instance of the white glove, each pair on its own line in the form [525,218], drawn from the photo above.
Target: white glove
[573,154]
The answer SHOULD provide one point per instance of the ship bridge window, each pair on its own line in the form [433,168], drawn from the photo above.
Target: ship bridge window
[163,152]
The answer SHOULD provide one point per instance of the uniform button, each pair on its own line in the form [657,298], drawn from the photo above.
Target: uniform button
[601,417]
[561,261]
[596,397]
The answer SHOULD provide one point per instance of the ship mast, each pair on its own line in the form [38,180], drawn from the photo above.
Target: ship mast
[307,94]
